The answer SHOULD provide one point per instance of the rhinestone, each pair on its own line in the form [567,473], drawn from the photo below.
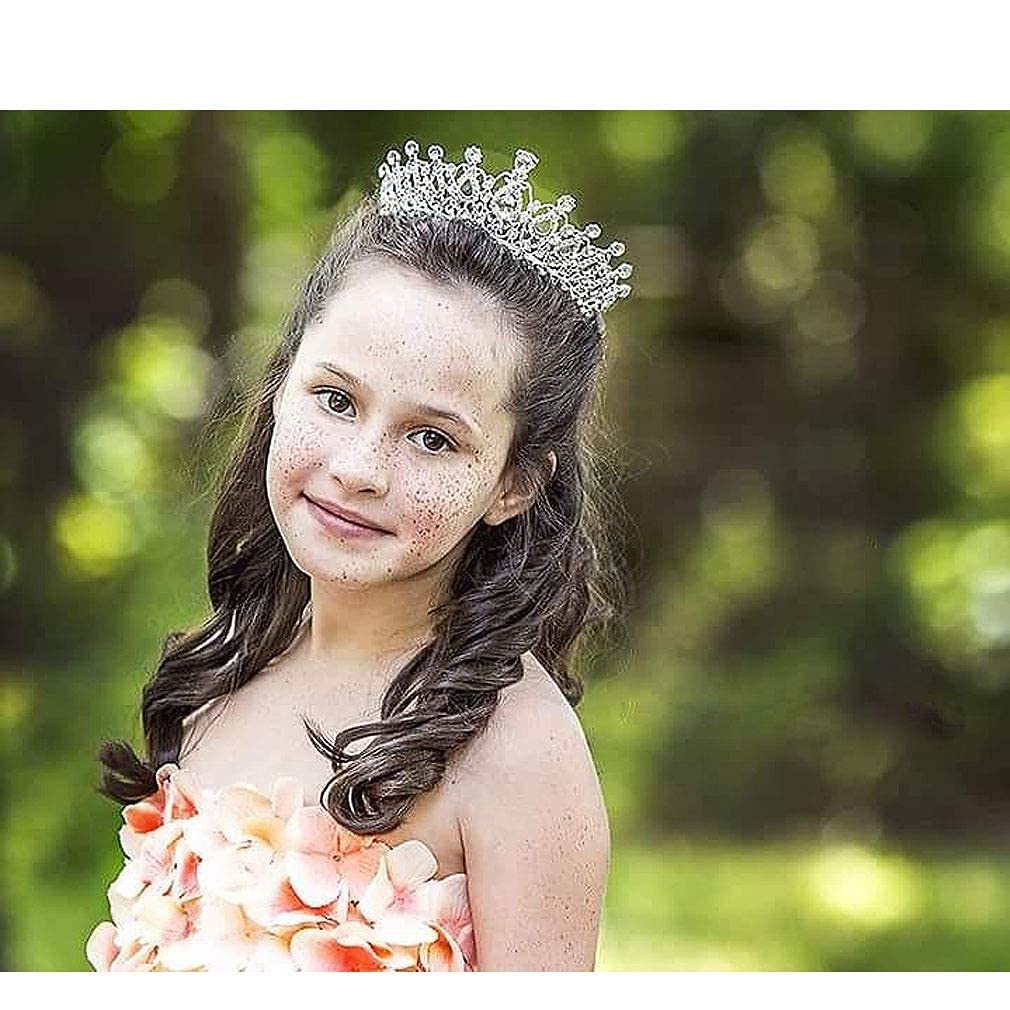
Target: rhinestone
[525,161]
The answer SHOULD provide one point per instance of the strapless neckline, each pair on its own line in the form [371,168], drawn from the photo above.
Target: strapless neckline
[233,878]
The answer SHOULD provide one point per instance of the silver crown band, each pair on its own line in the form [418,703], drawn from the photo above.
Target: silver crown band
[503,205]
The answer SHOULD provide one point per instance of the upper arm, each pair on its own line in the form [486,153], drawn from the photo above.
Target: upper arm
[537,845]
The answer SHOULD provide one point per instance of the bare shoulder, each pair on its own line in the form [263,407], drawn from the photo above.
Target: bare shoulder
[535,835]
[533,746]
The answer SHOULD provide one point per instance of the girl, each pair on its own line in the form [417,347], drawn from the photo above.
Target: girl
[404,548]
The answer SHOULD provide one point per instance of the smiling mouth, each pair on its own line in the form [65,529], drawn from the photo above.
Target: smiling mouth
[337,522]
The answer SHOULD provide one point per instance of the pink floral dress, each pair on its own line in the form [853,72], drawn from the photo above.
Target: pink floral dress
[234,880]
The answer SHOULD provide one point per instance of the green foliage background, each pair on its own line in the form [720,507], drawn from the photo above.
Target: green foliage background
[802,740]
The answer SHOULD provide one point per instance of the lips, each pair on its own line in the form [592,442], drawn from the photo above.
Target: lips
[346,514]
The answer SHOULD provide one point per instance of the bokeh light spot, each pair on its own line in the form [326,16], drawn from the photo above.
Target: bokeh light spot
[95,536]
[832,310]
[892,140]
[780,259]
[865,888]
[640,136]
[160,367]
[140,170]
[797,174]
[111,457]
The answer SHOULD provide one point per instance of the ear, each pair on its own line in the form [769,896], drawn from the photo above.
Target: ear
[514,498]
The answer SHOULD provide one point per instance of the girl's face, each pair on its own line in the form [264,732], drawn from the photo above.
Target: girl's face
[357,427]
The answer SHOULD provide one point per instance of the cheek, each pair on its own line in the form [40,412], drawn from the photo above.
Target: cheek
[442,506]
[296,448]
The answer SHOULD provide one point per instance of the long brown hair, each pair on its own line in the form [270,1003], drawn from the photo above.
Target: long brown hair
[535,582]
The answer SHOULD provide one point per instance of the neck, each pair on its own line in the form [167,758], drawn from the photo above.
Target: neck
[360,627]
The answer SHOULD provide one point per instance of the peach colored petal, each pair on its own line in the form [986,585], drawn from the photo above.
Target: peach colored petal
[159,918]
[130,880]
[130,841]
[443,954]
[378,895]
[467,944]
[398,958]
[312,829]
[394,956]
[270,953]
[449,905]
[136,956]
[203,835]
[381,896]
[153,864]
[237,805]
[402,928]
[269,829]
[410,863]
[185,883]
[236,870]
[182,795]
[288,796]
[217,919]
[129,928]
[191,953]
[359,866]
[157,843]
[277,904]
[451,901]
[316,878]
[143,816]
[101,947]
[221,939]
[197,953]
[315,949]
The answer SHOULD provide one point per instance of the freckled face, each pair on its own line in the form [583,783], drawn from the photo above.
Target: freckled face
[369,447]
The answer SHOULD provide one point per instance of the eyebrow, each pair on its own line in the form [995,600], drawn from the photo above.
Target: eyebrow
[449,415]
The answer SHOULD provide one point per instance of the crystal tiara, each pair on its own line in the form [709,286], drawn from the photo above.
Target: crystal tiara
[503,205]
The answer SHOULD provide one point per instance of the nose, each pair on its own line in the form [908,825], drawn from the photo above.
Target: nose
[358,463]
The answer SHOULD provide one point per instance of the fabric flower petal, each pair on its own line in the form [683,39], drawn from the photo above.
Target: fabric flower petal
[443,954]
[236,870]
[315,878]
[334,949]
[410,863]
[403,928]
[101,947]
[288,797]
[277,904]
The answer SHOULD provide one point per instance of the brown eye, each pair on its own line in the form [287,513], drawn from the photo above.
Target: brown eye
[426,432]
[329,393]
